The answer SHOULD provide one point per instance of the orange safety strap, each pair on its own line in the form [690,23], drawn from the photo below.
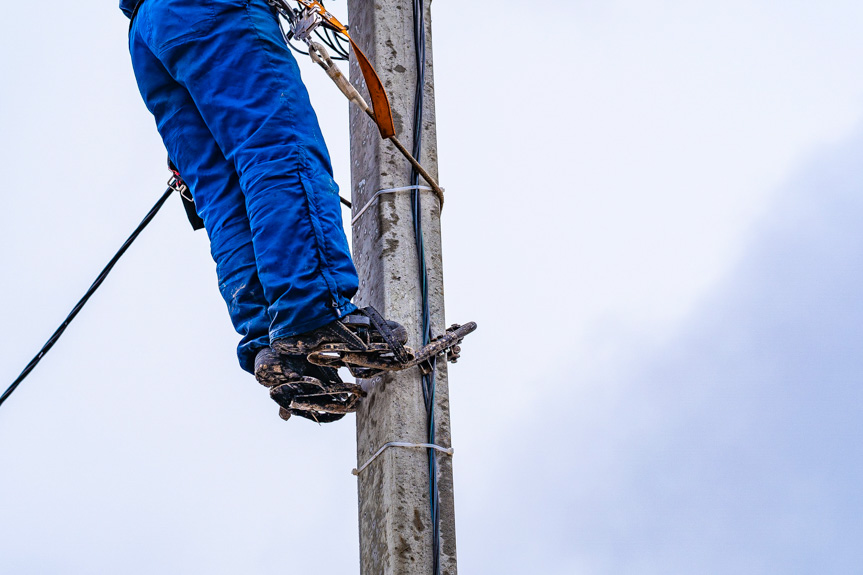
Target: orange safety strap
[380,101]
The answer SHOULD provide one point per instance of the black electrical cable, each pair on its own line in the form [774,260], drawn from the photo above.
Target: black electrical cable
[288,39]
[78,306]
[428,380]
[343,43]
[330,38]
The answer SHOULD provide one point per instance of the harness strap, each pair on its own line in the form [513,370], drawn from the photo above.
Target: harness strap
[383,327]
[346,335]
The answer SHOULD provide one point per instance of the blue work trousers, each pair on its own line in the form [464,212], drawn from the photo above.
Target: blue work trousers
[236,119]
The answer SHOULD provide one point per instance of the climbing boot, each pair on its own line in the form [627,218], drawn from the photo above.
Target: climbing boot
[304,389]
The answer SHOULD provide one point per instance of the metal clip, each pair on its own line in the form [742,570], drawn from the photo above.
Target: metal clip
[177,184]
[426,367]
[454,354]
[305,23]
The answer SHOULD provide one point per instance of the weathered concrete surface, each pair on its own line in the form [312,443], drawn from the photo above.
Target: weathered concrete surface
[394,510]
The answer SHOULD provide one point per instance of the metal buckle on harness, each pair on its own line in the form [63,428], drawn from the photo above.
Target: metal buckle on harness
[177,184]
[305,23]
[302,22]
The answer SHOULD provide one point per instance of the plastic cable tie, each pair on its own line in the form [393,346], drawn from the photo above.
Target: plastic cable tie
[447,450]
[382,192]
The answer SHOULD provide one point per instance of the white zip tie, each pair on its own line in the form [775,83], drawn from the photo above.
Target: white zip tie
[389,191]
[447,450]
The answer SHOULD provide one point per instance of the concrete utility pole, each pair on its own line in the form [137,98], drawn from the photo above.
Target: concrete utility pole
[394,501]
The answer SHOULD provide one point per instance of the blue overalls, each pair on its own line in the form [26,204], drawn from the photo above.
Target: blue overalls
[236,120]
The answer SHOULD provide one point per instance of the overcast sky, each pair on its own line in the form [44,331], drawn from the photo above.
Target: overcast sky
[664,196]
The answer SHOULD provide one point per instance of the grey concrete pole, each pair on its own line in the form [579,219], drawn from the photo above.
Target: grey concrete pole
[394,501]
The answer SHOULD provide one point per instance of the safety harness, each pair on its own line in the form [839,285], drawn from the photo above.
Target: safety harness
[307,19]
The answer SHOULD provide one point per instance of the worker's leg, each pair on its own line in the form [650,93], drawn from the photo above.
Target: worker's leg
[218,197]
[230,56]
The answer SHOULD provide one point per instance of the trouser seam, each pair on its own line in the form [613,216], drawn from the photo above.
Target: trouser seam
[320,241]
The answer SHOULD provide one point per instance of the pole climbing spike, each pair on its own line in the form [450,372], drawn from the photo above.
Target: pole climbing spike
[367,345]
[380,358]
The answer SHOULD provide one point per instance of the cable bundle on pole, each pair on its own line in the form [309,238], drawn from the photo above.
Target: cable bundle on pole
[429,379]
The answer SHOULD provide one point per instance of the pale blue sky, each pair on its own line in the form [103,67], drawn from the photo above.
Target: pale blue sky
[664,194]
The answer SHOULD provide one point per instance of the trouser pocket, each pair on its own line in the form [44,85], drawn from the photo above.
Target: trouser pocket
[173,22]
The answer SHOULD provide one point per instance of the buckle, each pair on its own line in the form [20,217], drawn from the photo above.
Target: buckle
[177,184]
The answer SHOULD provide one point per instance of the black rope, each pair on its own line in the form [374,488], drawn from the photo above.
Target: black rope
[78,306]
